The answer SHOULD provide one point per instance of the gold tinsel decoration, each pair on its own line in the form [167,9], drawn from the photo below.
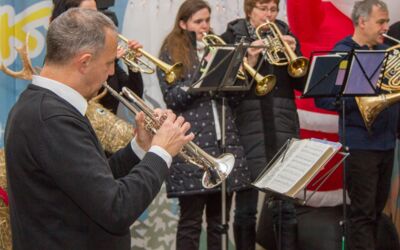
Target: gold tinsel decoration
[113,132]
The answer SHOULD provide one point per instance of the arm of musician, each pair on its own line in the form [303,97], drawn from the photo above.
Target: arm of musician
[167,142]
[253,54]
[140,145]
[176,95]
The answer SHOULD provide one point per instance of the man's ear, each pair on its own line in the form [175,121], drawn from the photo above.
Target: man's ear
[361,21]
[83,61]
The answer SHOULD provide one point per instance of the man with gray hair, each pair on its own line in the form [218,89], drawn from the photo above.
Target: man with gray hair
[369,166]
[64,193]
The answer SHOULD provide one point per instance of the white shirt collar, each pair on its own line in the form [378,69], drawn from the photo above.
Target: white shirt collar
[65,92]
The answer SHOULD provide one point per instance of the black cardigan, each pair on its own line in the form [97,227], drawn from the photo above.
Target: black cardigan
[64,193]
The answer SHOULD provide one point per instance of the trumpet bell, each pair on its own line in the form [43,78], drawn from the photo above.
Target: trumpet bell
[265,85]
[279,53]
[298,67]
[214,176]
[371,106]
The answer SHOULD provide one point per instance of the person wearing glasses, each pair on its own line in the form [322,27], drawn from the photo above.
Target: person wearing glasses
[273,118]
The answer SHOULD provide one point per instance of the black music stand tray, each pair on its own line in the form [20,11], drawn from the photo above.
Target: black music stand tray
[340,75]
[218,70]
[217,73]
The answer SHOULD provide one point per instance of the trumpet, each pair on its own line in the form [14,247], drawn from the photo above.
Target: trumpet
[216,170]
[172,72]
[264,84]
[276,46]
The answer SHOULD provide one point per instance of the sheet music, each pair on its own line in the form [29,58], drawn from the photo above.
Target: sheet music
[298,160]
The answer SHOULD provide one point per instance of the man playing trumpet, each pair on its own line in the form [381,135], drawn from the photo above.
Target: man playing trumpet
[64,193]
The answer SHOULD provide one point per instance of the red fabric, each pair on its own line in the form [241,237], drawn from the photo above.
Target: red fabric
[318,26]
[4,196]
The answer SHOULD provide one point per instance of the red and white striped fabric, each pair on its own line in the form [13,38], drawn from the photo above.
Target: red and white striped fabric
[319,25]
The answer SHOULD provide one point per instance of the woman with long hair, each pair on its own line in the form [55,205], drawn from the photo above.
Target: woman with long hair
[203,111]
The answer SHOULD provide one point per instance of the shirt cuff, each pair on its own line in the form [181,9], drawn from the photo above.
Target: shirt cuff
[137,149]
[162,153]
[154,149]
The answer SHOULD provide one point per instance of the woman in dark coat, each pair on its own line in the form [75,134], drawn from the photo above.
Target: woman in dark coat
[203,111]
[265,123]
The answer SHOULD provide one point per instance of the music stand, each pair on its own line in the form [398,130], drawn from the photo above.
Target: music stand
[217,72]
[346,74]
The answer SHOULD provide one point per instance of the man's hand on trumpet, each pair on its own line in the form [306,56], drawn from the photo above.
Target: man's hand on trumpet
[171,135]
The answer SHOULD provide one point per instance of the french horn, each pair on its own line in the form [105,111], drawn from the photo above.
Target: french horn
[371,106]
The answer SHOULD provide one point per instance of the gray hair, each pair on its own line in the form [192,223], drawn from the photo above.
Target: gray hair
[364,9]
[75,31]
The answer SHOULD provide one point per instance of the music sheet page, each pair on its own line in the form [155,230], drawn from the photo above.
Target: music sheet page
[292,165]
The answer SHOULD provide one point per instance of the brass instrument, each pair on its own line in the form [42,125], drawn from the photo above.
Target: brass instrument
[276,48]
[264,84]
[370,107]
[216,170]
[172,72]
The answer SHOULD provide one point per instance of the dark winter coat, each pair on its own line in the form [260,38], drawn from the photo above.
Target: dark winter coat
[262,138]
[132,80]
[185,178]
[394,31]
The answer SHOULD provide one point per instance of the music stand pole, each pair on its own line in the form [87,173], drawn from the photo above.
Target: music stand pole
[225,227]
[346,150]
[234,59]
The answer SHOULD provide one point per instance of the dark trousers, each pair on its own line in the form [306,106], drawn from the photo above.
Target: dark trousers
[284,220]
[191,214]
[368,176]
[244,225]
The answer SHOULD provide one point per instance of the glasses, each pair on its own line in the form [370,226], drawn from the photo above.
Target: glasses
[265,9]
